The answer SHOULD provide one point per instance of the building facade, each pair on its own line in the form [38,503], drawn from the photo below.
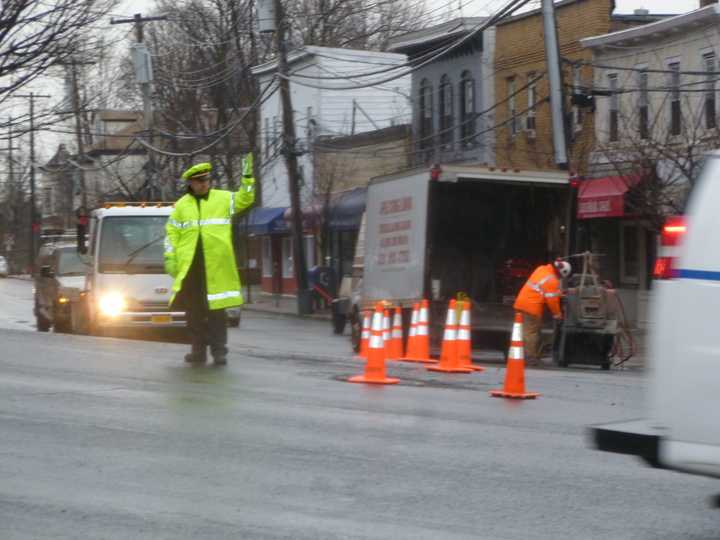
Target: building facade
[523,118]
[327,105]
[656,115]
[451,90]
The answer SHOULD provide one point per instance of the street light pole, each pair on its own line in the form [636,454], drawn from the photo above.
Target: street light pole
[146,87]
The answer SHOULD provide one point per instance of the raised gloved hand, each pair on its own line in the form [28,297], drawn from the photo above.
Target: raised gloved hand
[247,166]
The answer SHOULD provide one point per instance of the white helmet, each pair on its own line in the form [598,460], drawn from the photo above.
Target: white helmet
[563,268]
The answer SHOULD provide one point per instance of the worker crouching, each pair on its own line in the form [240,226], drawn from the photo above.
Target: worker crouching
[199,255]
[541,289]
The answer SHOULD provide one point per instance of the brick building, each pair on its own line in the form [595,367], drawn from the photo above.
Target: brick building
[524,133]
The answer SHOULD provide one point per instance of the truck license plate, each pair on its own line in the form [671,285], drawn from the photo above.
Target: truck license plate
[160,319]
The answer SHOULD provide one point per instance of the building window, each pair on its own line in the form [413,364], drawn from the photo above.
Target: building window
[310,128]
[577,112]
[532,100]
[467,110]
[275,135]
[614,107]
[287,257]
[512,110]
[643,105]
[426,114]
[709,109]
[446,113]
[267,265]
[48,207]
[629,253]
[675,112]
[267,138]
[309,251]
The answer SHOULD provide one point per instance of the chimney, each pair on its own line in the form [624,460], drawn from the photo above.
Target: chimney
[705,3]
[643,11]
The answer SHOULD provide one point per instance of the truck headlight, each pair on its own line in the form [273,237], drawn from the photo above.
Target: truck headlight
[112,304]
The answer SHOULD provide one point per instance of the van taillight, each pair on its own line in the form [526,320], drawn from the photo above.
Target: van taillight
[673,231]
[663,268]
[671,237]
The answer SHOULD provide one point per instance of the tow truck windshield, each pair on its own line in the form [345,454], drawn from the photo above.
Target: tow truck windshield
[130,244]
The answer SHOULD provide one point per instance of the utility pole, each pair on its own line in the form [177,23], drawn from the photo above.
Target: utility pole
[557,105]
[291,163]
[78,129]
[34,226]
[144,78]
[12,213]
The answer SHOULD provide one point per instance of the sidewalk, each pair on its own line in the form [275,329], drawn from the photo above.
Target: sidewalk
[257,300]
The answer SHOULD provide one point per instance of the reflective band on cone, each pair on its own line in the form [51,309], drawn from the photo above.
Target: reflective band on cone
[396,338]
[375,365]
[365,336]
[464,339]
[449,359]
[412,341]
[514,386]
[421,349]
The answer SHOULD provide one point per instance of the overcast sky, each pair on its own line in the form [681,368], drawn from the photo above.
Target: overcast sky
[478,7]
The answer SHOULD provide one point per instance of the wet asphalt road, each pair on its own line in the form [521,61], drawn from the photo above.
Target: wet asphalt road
[117,439]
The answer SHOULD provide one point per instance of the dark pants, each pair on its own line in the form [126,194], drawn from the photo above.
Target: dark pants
[207,328]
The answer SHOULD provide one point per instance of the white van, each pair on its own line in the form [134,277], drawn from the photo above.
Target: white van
[682,431]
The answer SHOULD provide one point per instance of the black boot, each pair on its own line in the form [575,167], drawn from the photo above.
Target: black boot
[220,359]
[198,355]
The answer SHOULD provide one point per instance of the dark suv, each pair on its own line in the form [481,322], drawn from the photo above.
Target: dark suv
[59,279]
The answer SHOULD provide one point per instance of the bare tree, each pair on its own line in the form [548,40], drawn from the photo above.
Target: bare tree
[666,149]
[357,24]
[34,36]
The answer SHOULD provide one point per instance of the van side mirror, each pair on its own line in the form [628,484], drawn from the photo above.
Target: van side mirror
[46,271]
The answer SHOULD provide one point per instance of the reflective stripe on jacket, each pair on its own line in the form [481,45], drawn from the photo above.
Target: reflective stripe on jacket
[209,219]
[543,287]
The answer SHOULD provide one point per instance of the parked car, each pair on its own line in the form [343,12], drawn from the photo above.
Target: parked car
[4,269]
[59,279]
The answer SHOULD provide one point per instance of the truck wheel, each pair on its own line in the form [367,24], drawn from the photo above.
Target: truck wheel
[43,325]
[63,327]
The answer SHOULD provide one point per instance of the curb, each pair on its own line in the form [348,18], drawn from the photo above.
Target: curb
[314,316]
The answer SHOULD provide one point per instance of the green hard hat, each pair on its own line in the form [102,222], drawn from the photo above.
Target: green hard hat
[197,171]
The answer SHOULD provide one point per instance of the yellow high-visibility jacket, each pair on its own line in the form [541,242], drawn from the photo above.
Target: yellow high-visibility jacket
[209,219]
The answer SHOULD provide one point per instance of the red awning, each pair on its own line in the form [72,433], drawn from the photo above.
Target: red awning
[604,197]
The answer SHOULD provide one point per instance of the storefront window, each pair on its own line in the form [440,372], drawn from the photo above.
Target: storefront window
[287,258]
[630,251]
[266,257]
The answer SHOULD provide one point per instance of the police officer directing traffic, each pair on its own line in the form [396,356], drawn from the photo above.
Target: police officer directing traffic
[199,255]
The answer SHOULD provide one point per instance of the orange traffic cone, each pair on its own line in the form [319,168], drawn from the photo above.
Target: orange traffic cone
[365,336]
[421,349]
[464,339]
[396,337]
[375,365]
[449,360]
[411,341]
[515,373]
